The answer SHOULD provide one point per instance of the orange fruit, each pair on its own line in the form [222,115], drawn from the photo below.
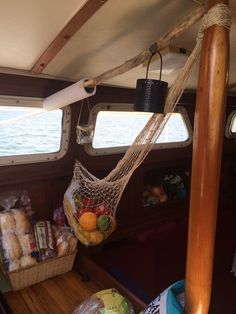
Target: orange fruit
[88,221]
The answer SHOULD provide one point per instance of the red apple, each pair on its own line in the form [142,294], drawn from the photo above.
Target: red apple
[87,202]
[101,210]
[82,210]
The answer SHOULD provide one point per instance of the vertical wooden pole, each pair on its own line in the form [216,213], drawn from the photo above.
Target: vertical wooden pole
[206,164]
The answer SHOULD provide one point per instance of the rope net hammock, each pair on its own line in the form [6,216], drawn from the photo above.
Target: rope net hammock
[90,203]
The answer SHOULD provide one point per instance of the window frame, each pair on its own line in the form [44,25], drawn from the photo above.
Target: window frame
[12,101]
[229,122]
[90,150]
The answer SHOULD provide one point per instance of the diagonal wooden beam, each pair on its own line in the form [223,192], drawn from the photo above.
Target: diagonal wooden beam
[77,21]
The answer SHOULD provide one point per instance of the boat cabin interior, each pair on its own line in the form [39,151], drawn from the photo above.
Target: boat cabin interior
[132,104]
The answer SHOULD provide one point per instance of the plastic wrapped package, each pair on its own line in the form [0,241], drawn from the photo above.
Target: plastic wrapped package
[105,301]
[7,222]
[21,221]
[27,260]
[27,243]
[17,199]
[66,242]
[170,301]
[11,246]
[59,216]
[14,265]
[44,240]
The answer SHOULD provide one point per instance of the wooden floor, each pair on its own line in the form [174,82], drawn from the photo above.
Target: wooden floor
[59,295]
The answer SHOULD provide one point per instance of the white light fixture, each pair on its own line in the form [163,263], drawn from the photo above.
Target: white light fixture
[68,95]
[173,59]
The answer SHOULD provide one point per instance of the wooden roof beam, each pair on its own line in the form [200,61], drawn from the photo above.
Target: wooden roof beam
[77,21]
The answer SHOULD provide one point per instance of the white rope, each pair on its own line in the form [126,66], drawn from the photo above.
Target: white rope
[14,120]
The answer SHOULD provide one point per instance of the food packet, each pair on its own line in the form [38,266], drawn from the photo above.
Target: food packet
[27,260]
[44,240]
[105,301]
[59,216]
[7,222]
[27,243]
[170,301]
[66,241]
[22,223]
[14,265]
[11,246]
[17,199]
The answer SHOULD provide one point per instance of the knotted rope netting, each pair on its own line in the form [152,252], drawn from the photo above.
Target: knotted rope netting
[90,203]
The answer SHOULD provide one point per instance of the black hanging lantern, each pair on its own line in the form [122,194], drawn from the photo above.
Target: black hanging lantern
[151,94]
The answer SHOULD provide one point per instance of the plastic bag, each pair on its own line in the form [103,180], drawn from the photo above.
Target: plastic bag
[170,301]
[66,241]
[17,243]
[17,199]
[106,301]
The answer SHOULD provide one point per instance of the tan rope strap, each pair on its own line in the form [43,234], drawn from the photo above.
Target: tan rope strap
[220,15]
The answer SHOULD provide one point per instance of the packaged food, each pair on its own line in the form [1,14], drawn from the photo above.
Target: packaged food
[65,240]
[105,301]
[27,260]
[14,265]
[63,248]
[11,246]
[171,300]
[21,221]
[7,222]
[59,216]
[44,240]
[27,243]
[72,242]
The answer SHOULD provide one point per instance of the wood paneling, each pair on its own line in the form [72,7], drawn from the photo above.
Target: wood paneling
[47,182]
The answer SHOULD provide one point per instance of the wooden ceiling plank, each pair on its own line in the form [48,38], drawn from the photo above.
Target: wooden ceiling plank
[77,21]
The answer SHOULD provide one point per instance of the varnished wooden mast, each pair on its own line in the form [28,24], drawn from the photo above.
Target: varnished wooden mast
[206,164]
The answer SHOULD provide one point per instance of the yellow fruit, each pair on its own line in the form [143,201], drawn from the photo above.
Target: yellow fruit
[88,221]
[96,237]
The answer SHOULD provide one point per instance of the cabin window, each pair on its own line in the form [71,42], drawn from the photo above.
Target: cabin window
[116,127]
[230,129]
[29,134]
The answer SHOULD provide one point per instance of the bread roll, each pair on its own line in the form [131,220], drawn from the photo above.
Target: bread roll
[14,265]
[63,248]
[27,243]
[72,243]
[27,260]
[11,246]
[7,223]
[21,220]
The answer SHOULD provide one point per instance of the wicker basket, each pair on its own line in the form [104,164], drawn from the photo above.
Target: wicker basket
[52,267]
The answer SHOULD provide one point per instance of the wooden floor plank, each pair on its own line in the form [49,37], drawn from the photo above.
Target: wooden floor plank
[17,303]
[43,294]
[57,295]
[35,304]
